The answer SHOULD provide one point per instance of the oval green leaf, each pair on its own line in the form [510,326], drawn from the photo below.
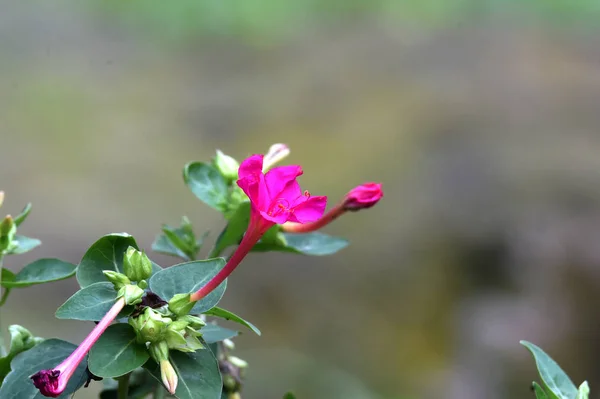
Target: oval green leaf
[24,244]
[104,254]
[207,184]
[316,244]
[187,278]
[198,374]
[553,377]
[212,333]
[48,354]
[227,315]
[90,303]
[41,271]
[117,352]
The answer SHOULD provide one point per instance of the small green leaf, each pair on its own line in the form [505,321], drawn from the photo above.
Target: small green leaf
[212,333]
[179,241]
[41,271]
[117,352]
[198,374]
[227,315]
[187,278]
[48,354]
[554,378]
[162,245]
[317,244]
[105,254]
[235,229]
[20,218]
[584,391]
[24,244]
[89,303]
[539,391]
[207,184]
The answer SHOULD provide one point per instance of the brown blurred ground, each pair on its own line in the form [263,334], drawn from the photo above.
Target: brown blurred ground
[484,134]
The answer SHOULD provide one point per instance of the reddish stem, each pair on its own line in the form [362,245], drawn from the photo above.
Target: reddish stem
[329,217]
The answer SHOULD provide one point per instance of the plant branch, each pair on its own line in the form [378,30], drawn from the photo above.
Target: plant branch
[123,387]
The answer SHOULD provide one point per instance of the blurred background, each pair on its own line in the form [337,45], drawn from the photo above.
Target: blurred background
[480,118]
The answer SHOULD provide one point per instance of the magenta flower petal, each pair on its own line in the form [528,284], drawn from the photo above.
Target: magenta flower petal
[309,211]
[278,178]
[251,166]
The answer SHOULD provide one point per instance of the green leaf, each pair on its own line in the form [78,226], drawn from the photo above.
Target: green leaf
[317,244]
[24,244]
[289,395]
[539,391]
[105,254]
[187,278]
[47,355]
[198,374]
[89,303]
[162,245]
[117,352]
[207,184]
[554,378]
[235,229]
[41,271]
[584,391]
[212,333]
[20,218]
[227,315]
[179,241]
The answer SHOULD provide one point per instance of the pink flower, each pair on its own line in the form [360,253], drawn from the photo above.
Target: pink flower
[275,198]
[53,382]
[364,196]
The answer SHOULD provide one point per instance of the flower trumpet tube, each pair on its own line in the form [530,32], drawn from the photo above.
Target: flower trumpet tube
[361,197]
[53,382]
[275,198]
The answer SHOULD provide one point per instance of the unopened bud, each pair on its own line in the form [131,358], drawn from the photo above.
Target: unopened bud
[136,264]
[181,304]
[227,165]
[237,362]
[276,153]
[8,229]
[168,376]
[227,343]
[362,197]
[143,284]
[150,326]
[132,294]
[194,322]
[1,197]
[21,339]
[119,280]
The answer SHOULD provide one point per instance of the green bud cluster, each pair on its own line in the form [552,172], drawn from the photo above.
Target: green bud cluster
[8,230]
[136,265]
[177,333]
[132,293]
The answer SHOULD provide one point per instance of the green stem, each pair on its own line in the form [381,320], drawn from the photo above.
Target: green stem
[6,290]
[123,387]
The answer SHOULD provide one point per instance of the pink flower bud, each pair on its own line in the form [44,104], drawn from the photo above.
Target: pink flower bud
[362,197]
